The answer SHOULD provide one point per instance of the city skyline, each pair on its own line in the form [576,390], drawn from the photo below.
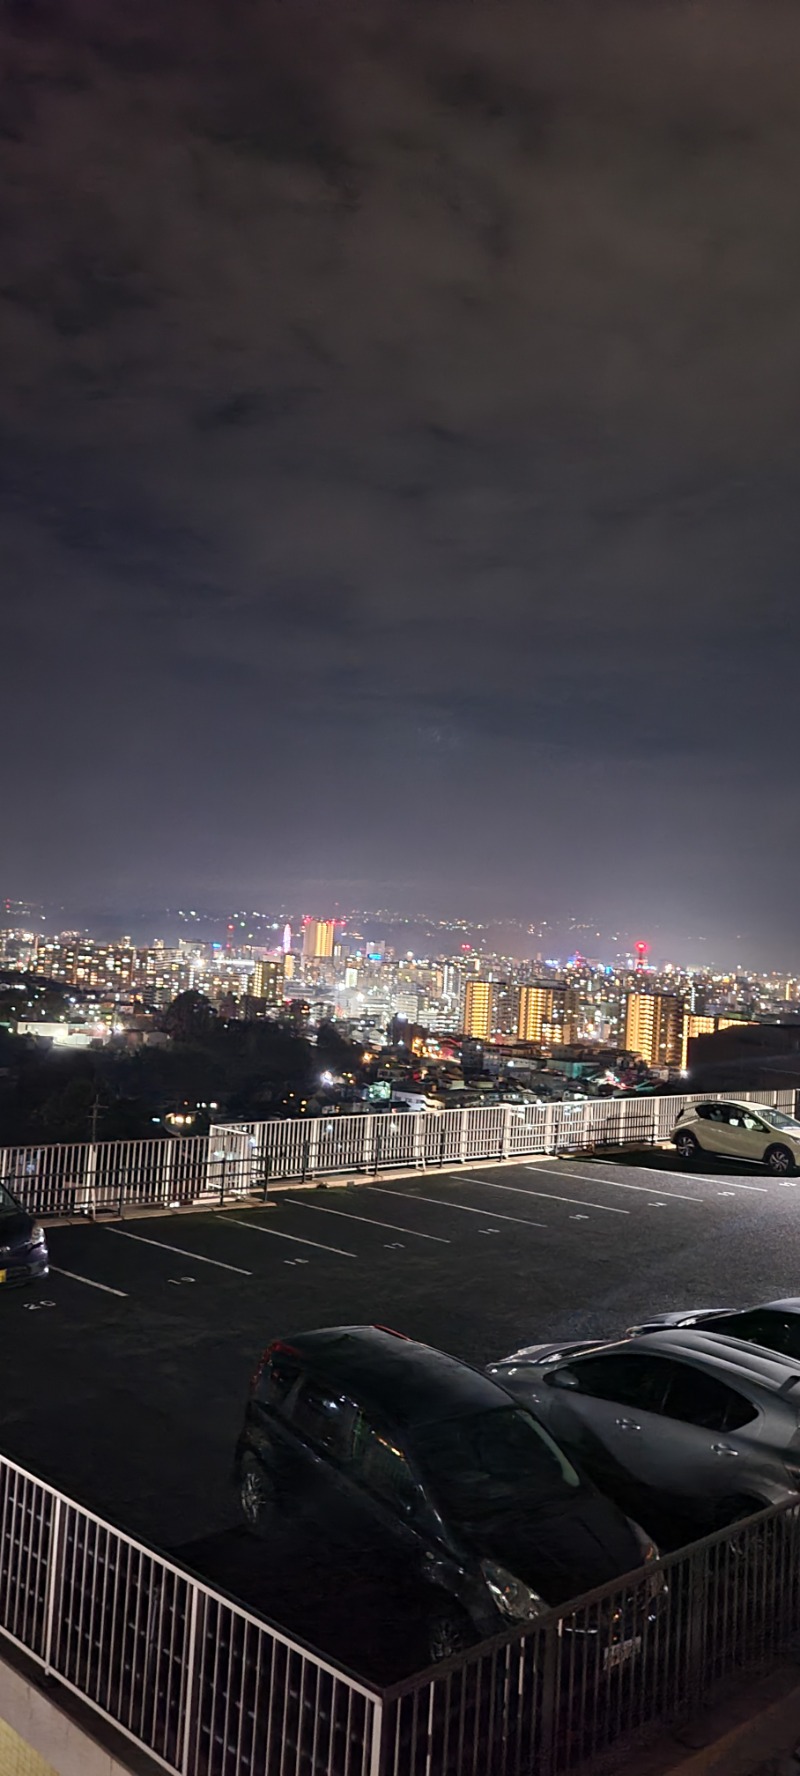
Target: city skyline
[275,929]
[550,938]
[363,996]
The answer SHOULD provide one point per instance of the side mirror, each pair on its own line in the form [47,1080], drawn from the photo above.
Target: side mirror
[563,1378]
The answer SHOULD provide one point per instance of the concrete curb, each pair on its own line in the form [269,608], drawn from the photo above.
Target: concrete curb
[329,1181]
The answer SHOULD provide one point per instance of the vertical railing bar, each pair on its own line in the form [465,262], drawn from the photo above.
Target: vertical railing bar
[114,1607]
[53,1564]
[188,1694]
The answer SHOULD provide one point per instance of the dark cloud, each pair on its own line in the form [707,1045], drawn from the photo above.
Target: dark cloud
[398,441]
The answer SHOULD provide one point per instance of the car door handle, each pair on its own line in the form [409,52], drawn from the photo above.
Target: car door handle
[723,1449]
[627,1424]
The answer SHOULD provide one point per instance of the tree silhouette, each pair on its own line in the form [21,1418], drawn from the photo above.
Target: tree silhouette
[190,1017]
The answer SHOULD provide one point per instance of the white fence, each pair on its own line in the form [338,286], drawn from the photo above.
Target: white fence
[208,1689]
[204,1686]
[596,1679]
[238,1159]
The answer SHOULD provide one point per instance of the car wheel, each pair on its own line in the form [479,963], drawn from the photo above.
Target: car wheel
[257,1495]
[687,1146]
[449,1631]
[779,1161]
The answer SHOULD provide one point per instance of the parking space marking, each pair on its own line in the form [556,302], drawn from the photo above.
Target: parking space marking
[439,1203]
[763,1189]
[181,1251]
[613,1183]
[89,1281]
[272,1233]
[317,1209]
[548,1195]
[700,1177]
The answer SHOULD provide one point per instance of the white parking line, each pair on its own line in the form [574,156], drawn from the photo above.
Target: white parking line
[614,1184]
[89,1281]
[440,1203]
[763,1189]
[701,1177]
[181,1251]
[548,1195]
[317,1209]
[272,1233]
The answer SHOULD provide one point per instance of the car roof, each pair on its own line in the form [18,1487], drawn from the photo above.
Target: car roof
[731,1358]
[407,1382]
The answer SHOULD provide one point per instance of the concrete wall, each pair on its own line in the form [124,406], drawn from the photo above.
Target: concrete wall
[37,1737]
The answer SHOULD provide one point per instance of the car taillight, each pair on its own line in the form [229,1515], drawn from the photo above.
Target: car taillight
[277,1349]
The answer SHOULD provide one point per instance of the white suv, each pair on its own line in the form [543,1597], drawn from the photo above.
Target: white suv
[739,1131]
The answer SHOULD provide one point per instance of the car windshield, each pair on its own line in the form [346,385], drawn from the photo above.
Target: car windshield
[774,1328]
[7,1204]
[777,1120]
[492,1462]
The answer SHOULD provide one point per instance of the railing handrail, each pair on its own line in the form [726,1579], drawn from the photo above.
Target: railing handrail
[151,1552]
[665,1563]
[379,1702]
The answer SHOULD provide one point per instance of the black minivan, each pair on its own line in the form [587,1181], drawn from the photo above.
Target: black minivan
[23,1247]
[394,1447]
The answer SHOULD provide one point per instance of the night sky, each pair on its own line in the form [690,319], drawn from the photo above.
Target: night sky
[399,459]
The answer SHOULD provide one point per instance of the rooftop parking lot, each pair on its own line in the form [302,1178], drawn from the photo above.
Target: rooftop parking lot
[126,1372]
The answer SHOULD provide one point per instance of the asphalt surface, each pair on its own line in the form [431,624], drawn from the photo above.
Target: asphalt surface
[126,1372]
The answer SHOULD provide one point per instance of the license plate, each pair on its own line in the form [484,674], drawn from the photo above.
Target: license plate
[620,1654]
[3,1275]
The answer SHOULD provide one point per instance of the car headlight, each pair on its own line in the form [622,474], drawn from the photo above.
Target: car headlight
[512,1597]
[37,1234]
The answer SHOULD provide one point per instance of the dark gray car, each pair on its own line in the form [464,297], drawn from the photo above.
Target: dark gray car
[687,1429]
[409,1458]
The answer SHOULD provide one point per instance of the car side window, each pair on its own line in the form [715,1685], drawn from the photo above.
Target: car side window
[749,1121]
[324,1418]
[699,1399]
[382,1467]
[629,1380]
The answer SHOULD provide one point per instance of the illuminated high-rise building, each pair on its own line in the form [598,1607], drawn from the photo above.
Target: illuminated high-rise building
[549,1015]
[318,939]
[268,981]
[505,1008]
[654,1028]
[478,1001]
[535,1010]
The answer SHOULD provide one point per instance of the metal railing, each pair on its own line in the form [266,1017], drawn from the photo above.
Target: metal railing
[618,1666]
[208,1689]
[237,1159]
[197,1681]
